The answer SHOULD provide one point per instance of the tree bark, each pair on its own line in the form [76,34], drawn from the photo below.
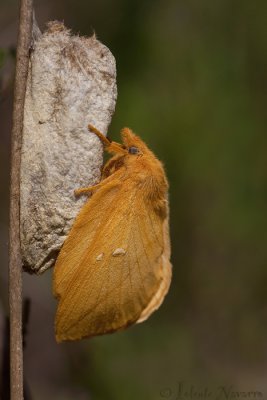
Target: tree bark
[15,268]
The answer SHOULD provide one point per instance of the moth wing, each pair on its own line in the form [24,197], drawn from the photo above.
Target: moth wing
[123,273]
[163,288]
[82,236]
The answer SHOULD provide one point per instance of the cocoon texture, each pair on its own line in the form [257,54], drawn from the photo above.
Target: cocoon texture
[71,83]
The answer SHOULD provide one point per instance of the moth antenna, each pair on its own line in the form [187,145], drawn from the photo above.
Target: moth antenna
[100,135]
[111,146]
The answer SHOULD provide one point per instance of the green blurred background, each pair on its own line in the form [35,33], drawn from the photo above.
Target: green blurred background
[192,81]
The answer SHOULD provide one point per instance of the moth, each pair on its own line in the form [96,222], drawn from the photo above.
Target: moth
[114,268]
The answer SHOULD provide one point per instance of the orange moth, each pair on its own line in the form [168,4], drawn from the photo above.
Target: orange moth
[114,268]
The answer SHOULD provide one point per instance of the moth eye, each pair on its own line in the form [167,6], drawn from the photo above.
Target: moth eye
[133,150]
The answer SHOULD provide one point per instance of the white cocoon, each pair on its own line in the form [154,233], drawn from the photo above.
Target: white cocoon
[71,83]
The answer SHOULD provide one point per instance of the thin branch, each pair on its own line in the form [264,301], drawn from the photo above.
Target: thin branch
[15,269]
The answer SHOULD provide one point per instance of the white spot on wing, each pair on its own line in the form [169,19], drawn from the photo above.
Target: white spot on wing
[100,257]
[119,252]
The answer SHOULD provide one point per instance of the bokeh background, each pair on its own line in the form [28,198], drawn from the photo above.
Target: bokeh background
[192,82]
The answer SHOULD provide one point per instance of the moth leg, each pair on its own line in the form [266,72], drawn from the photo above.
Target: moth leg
[85,190]
[89,189]
[109,179]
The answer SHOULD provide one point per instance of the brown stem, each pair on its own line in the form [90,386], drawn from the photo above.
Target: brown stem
[15,270]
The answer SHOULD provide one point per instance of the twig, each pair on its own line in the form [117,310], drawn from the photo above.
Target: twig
[5,362]
[15,269]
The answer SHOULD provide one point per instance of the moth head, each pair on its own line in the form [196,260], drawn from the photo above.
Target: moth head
[132,143]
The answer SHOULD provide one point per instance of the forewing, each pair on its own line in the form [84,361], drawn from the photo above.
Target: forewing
[119,270]
[92,217]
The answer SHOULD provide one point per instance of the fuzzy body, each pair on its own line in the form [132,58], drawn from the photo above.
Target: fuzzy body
[114,268]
